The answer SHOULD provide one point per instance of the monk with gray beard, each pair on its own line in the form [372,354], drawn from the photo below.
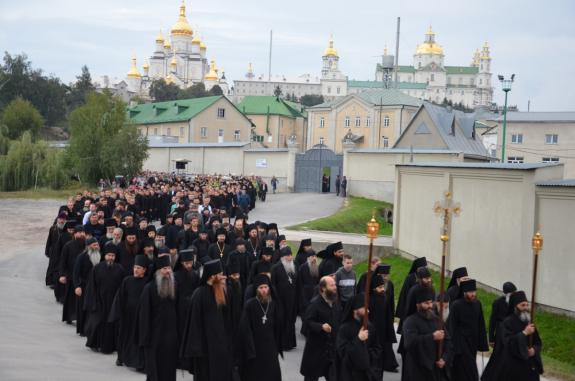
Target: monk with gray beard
[307,281]
[157,323]
[82,269]
[283,280]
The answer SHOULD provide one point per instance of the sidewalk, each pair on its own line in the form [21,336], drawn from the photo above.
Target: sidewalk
[325,236]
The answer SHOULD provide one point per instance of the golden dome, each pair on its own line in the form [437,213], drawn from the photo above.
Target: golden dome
[485,52]
[146,65]
[168,44]
[174,61]
[203,46]
[160,38]
[476,56]
[196,40]
[429,46]
[330,50]
[182,27]
[169,79]
[133,72]
[213,74]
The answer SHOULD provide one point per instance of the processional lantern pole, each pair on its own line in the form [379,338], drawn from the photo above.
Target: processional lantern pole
[372,232]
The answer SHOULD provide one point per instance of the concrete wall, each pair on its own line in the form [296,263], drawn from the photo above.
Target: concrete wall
[277,165]
[501,209]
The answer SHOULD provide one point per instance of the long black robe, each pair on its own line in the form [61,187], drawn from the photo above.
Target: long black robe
[306,288]
[127,255]
[219,252]
[207,340]
[357,360]
[100,292]
[59,288]
[516,363]
[381,316]
[82,269]
[186,284]
[157,332]
[50,252]
[260,343]
[243,261]
[421,350]
[467,327]
[124,312]
[285,286]
[70,252]
[401,309]
[499,311]
[202,245]
[329,265]
[318,358]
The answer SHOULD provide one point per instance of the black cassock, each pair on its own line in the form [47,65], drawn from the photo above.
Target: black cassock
[499,311]
[186,284]
[102,287]
[516,363]
[318,358]
[421,350]
[70,252]
[207,341]
[401,309]
[157,332]
[381,316]
[53,258]
[124,312]
[357,360]
[284,285]
[329,265]
[306,287]
[82,269]
[467,327]
[59,288]
[259,341]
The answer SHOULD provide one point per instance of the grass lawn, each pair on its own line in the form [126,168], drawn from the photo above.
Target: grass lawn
[40,193]
[557,332]
[351,218]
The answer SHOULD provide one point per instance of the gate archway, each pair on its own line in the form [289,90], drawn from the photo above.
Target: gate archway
[312,164]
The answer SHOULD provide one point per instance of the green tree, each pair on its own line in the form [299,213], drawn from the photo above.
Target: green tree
[311,99]
[197,90]
[101,145]
[216,90]
[20,116]
[80,89]
[161,91]
[277,91]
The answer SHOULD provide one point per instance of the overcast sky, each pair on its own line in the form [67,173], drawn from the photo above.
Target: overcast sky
[533,39]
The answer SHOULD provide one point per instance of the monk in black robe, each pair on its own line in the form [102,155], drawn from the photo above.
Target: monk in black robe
[253,243]
[381,316]
[360,285]
[219,249]
[421,336]
[105,279]
[70,252]
[85,262]
[128,249]
[56,230]
[262,265]
[284,278]
[320,326]
[303,253]
[157,323]
[187,280]
[519,360]
[307,281]
[66,236]
[467,327]
[331,259]
[241,259]
[260,334]
[207,340]
[358,349]
[124,313]
[409,282]
[499,311]
[458,275]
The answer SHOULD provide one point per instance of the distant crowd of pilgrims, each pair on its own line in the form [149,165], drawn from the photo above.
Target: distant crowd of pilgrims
[221,299]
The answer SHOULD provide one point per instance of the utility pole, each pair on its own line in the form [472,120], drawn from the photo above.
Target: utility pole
[270,58]
[397,52]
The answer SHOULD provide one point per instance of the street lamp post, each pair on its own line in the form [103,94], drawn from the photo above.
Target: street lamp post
[506,87]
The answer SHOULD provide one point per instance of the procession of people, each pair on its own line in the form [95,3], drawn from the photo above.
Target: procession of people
[170,273]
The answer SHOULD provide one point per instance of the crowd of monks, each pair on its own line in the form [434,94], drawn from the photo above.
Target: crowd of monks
[158,273]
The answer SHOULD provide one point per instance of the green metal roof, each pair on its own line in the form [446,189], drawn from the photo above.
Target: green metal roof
[170,111]
[400,68]
[264,105]
[462,69]
[379,85]
[385,97]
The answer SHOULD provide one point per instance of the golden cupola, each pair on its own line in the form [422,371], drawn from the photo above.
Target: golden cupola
[196,40]
[168,45]
[429,46]
[133,72]
[330,50]
[213,73]
[160,38]
[203,46]
[485,52]
[146,66]
[476,57]
[182,27]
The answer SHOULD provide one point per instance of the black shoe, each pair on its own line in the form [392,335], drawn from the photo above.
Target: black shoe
[118,362]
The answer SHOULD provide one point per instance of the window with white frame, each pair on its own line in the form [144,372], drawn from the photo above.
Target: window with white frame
[550,160]
[337,90]
[321,122]
[204,132]
[358,121]
[237,135]
[346,122]
[517,138]
[386,121]
[155,132]
[221,113]
[221,132]
[368,121]
[515,159]
[551,139]
[321,141]
[385,142]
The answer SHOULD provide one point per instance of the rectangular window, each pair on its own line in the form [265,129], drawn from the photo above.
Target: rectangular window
[321,122]
[551,139]
[204,132]
[515,159]
[385,142]
[358,121]
[550,160]
[368,121]
[155,132]
[237,135]
[386,121]
[221,132]
[517,138]
[346,123]
[321,141]
[432,77]
[181,131]
[169,131]
[221,113]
